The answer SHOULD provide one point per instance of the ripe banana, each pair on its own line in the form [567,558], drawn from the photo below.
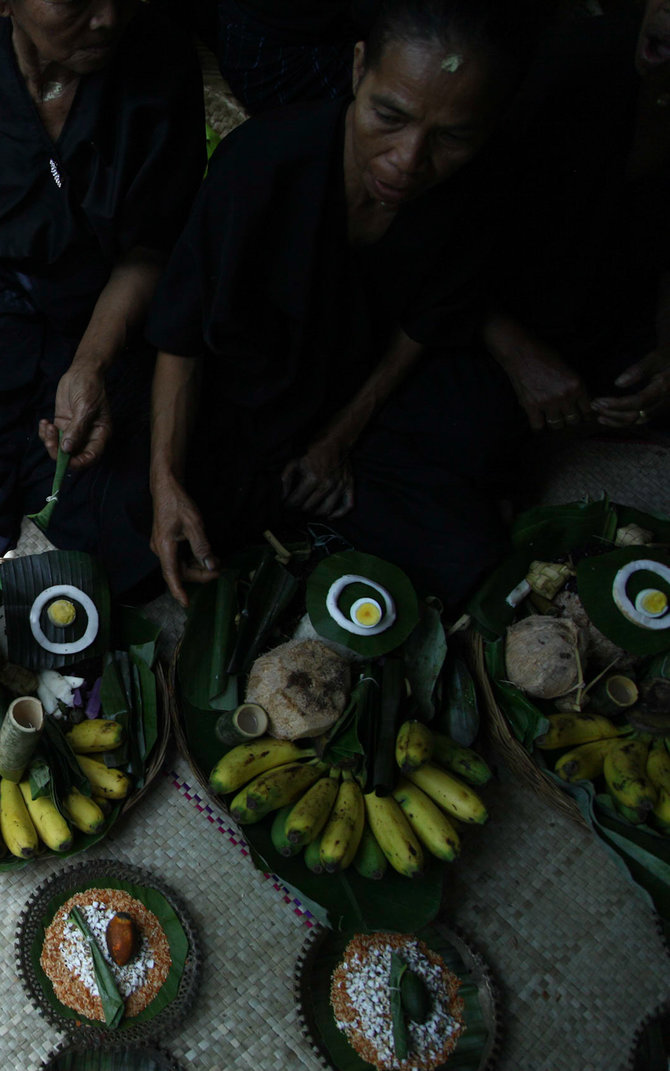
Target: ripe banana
[460,760]
[309,815]
[394,834]
[95,735]
[272,790]
[413,746]
[568,730]
[625,770]
[344,828]
[430,824]
[51,827]
[369,860]
[105,780]
[280,841]
[454,797]
[18,831]
[583,763]
[658,765]
[84,813]
[246,761]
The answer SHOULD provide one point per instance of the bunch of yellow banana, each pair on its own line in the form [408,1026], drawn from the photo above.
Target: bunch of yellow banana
[635,767]
[25,822]
[324,813]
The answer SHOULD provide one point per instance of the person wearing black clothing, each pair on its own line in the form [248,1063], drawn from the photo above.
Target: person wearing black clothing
[325,291]
[102,132]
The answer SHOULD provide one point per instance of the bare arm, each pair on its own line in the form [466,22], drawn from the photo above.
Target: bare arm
[81,410]
[176,516]
[551,393]
[320,480]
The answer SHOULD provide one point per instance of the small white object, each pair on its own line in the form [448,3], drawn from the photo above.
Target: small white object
[70,592]
[359,605]
[623,601]
[518,594]
[336,589]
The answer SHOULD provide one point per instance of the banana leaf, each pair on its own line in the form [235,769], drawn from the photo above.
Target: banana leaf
[595,577]
[201,661]
[112,1002]
[526,721]
[384,768]
[178,941]
[123,1059]
[139,633]
[388,576]
[424,652]
[270,593]
[458,716]
[24,578]
[470,1048]
[42,518]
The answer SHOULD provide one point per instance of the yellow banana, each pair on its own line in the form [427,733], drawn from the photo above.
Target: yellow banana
[51,827]
[309,815]
[625,770]
[462,761]
[84,813]
[583,763]
[658,765]
[413,746]
[394,834]
[105,780]
[453,796]
[95,735]
[370,861]
[344,828]
[18,831]
[568,730]
[661,810]
[273,789]
[430,824]
[246,761]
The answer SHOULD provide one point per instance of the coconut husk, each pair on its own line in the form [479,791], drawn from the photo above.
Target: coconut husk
[302,685]
[543,656]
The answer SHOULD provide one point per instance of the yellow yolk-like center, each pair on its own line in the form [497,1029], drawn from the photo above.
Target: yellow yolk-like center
[368,614]
[61,612]
[654,602]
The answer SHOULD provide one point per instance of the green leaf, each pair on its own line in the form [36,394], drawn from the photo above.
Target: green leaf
[384,769]
[112,1002]
[398,968]
[526,721]
[194,665]
[39,777]
[146,709]
[221,682]
[42,518]
[270,593]
[65,769]
[424,652]
[344,748]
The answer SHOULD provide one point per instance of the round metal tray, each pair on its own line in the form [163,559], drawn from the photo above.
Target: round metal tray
[30,929]
[71,1057]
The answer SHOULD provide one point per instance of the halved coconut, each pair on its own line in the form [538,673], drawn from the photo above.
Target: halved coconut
[543,656]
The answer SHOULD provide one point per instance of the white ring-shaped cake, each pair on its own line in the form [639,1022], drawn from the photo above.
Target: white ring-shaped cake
[86,603]
[625,604]
[336,589]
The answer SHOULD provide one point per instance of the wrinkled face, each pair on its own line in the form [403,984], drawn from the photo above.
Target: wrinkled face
[652,55]
[79,35]
[420,114]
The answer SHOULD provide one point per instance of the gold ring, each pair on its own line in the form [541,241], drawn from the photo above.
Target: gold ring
[554,423]
[572,418]
[643,417]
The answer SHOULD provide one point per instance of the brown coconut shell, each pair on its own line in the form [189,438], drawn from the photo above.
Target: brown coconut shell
[302,685]
[543,655]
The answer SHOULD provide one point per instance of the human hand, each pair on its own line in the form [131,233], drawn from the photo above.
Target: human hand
[552,394]
[177,520]
[81,414]
[652,374]
[320,482]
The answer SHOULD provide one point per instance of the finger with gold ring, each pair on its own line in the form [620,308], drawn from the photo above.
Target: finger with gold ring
[642,417]
[572,418]
[555,423]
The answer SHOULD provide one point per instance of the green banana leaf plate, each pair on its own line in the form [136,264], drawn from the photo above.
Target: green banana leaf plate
[177,994]
[477,1048]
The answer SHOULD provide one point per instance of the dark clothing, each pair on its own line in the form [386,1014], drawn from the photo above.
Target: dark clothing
[590,241]
[291,320]
[273,53]
[122,173]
